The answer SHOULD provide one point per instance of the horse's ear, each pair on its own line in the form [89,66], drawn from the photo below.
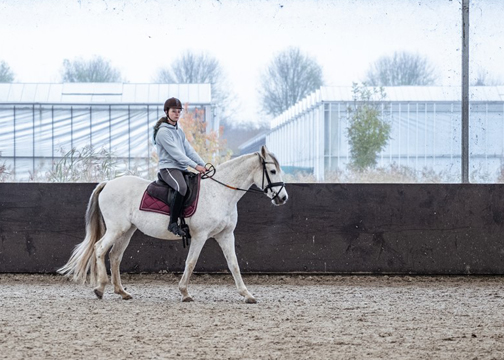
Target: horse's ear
[264,151]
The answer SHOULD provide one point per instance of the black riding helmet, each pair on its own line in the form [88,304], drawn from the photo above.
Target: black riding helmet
[172,103]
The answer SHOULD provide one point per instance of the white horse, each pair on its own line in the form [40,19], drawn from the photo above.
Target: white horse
[113,216]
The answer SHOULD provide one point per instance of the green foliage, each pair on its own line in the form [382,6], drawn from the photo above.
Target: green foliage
[367,133]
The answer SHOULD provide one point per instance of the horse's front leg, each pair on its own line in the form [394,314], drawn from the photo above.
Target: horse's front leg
[227,243]
[192,257]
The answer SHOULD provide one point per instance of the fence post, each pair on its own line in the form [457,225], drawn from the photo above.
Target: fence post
[465,91]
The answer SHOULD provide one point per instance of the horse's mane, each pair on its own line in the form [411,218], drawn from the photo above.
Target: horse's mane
[275,161]
[241,158]
[233,161]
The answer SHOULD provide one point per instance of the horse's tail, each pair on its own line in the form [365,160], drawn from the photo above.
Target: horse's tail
[83,260]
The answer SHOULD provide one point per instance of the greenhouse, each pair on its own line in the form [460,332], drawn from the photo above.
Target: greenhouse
[425,131]
[40,123]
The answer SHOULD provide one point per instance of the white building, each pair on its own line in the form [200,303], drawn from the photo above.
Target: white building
[425,130]
[40,121]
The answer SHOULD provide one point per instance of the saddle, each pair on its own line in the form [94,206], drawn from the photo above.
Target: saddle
[159,195]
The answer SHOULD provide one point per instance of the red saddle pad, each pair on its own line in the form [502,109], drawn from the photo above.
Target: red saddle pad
[152,204]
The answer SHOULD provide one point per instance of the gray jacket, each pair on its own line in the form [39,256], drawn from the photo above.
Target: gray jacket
[174,150]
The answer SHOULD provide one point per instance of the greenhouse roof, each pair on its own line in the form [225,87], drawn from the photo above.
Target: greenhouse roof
[416,93]
[393,94]
[103,93]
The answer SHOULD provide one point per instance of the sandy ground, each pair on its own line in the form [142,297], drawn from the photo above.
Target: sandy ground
[296,317]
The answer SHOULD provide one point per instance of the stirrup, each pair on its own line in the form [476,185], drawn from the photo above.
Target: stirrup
[175,229]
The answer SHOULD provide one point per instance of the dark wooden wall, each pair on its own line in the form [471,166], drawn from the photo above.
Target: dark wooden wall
[334,228]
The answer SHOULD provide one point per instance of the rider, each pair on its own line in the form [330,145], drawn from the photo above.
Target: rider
[175,155]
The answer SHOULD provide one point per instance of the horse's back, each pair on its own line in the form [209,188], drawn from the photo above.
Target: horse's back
[128,180]
[122,195]
[120,203]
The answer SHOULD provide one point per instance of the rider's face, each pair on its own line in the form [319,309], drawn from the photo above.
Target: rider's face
[174,114]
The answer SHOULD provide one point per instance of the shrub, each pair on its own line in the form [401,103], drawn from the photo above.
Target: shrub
[367,133]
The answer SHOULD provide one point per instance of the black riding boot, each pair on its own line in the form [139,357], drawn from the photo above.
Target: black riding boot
[175,210]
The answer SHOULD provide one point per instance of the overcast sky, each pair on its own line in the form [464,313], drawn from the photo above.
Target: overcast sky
[345,36]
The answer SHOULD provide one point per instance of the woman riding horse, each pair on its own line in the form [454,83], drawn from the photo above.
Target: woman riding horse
[175,155]
[113,216]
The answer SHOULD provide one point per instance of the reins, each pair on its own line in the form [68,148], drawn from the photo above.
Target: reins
[206,176]
[211,172]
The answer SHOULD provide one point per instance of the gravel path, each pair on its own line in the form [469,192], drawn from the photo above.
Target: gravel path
[297,317]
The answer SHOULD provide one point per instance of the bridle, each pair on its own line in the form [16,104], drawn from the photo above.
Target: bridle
[211,172]
[270,184]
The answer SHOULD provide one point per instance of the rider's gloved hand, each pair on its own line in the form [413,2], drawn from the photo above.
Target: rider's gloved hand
[200,169]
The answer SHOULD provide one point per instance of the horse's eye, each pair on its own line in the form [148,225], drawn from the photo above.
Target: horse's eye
[273,172]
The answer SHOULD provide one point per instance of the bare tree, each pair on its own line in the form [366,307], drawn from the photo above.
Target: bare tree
[96,69]
[200,68]
[6,74]
[289,78]
[402,68]
[483,78]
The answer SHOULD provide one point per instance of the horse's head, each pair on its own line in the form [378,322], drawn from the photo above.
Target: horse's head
[270,178]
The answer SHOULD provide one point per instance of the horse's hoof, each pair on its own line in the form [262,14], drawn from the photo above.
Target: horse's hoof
[124,294]
[187,299]
[98,294]
[250,300]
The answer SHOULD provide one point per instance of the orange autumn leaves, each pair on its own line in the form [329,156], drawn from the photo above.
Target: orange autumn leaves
[208,144]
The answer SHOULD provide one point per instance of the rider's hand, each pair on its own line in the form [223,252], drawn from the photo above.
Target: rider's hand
[200,168]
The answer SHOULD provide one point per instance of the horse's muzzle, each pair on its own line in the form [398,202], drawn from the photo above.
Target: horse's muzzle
[280,199]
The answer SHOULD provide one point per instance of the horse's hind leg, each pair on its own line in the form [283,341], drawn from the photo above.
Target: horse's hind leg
[192,258]
[101,248]
[226,242]
[115,257]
